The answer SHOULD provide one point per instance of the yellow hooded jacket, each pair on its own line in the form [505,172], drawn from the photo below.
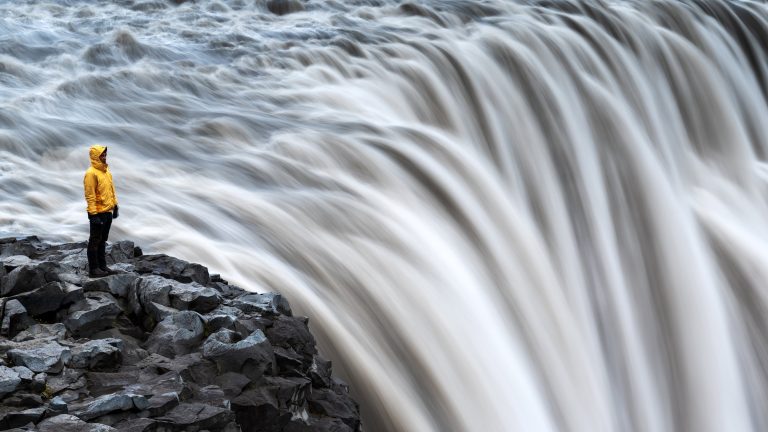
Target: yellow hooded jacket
[99,189]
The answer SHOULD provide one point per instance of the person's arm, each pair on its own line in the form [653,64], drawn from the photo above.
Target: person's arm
[89,183]
[115,211]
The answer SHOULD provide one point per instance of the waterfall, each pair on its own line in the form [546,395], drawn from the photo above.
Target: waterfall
[498,215]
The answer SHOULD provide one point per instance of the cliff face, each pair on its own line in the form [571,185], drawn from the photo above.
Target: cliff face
[160,346]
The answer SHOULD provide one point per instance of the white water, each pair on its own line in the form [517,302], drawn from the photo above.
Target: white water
[498,215]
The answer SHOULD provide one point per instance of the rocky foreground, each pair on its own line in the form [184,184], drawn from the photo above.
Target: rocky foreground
[160,346]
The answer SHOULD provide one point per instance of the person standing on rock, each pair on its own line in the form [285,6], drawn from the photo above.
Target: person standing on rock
[102,208]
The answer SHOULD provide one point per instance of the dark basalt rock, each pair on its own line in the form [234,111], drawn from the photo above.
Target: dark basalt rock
[252,356]
[172,268]
[29,277]
[15,318]
[96,312]
[47,298]
[159,346]
[177,334]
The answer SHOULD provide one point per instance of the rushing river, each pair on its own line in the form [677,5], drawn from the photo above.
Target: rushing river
[499,215]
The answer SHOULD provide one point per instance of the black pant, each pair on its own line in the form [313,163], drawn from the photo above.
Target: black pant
[97,242]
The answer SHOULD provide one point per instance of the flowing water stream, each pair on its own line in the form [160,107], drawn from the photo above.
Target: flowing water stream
[499,215]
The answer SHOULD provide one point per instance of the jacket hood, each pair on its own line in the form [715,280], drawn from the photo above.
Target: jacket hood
[96,151]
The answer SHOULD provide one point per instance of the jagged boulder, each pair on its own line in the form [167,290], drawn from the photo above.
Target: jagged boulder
[42,300]
[15,418]
[68,379]
[123,401]
[148,298]
[265,304]
[29,277]
[320,372]
[335,403]
[119,285]
[194,297]
[9,380]
[27,246]
[15,318]
[317,424]
[99,354]
[12,262]
[96,312]
[70,423]
[252,356]
[259,410]
[177,334]
[40,357]
[42,333]
[196,417]
[293,334]
[172,268]
[119,252]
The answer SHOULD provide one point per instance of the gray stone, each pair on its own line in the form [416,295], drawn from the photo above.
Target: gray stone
[232,383]
[120,252]
[259,410]
[25,374]
[70,423]
[38,382]
[99,354]
[29,277]
[194,297]
[177,334]
[251,356]
[246,325]
[72,294]
[15,318]
[288,362]
[16,419]
[197,417]
[149,295]
[160,404]
[97,312]
[118,285]
[265,303]
[22,399]
[131,350]
[137,425]
[317,424]
[227,290]
[41,357]
[9,380]
[291,332]
[78,279]
[216,321]
[338,405]
[15,261]
[110,403]
[44,299]
[172,268]
[71,379]
[42,332]
[58,405]
[320,372]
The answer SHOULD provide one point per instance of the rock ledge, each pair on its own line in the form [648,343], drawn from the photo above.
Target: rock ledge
[160,346]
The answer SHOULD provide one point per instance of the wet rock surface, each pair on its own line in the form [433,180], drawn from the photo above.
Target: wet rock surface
[160,346]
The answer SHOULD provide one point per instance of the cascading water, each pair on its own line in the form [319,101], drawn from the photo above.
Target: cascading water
[544,215]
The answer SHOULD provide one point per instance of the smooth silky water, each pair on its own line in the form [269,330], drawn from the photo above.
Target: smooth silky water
[499,215]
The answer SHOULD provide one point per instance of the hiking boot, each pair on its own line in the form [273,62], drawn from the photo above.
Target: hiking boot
[108,270]
[97,273]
